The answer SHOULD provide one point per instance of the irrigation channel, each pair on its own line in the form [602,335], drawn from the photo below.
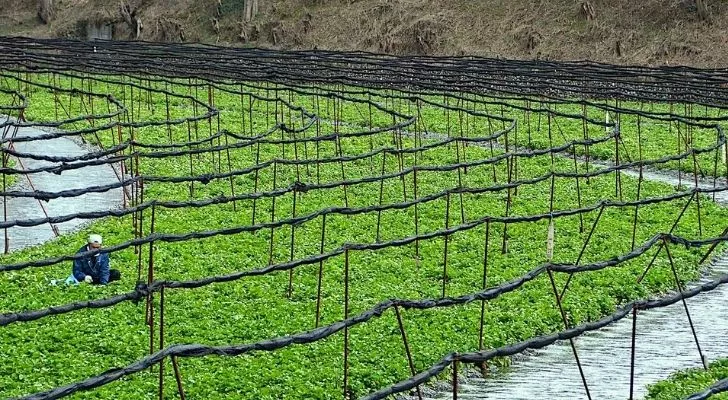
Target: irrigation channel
[20,208]
[664,343]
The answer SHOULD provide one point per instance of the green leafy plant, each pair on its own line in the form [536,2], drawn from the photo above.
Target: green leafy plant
[61,349]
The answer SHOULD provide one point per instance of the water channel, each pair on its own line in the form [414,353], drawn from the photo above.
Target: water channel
[664,344]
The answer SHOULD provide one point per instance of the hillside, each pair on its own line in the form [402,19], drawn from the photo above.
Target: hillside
[653,32]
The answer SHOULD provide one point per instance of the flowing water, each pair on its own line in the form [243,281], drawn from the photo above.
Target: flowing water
[664,344]
[27,208]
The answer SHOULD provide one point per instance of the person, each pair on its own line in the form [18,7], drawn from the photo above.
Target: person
[93,268]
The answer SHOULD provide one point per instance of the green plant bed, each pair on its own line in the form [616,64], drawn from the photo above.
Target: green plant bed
[66,348]
[684,383]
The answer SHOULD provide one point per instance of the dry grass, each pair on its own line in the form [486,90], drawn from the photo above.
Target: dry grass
[653,32]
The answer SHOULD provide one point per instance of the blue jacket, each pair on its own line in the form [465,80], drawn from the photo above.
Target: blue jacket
[96,265]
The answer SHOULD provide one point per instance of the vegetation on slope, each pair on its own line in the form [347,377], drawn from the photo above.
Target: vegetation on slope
[656,32]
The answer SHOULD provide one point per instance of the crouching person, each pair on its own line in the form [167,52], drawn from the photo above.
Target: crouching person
[93,268]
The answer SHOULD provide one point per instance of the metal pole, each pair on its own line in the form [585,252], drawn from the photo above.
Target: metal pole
[634,340]
[178,378]
[346,328]
[407,348]
[566,326]
[320,271]
[685,305]
[161,342]
[455,379]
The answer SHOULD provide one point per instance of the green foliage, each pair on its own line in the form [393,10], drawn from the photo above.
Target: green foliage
[62,349]
[684,383]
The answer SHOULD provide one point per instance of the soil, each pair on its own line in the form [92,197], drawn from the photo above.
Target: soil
[646,32]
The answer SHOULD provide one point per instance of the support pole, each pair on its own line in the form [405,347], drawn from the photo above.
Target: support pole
[407,348]
[346,328]
[685,305]
[161,342]
[484,365]
[5,204]
[455,378]
[583,248]
[566,326]
[662,244]
[631,365]
[150,279]
[178,378]
[320,271]
[447,240]
[292,247]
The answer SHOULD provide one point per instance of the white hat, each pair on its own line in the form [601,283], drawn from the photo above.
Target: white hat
[94,239]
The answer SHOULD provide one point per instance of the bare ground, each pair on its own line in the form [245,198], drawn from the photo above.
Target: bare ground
[646,32]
